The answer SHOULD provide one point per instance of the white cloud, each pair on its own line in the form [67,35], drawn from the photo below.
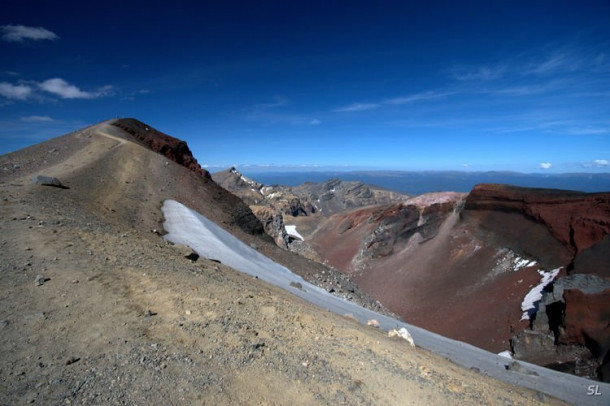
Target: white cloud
[315,121]
[601,162]
[358,107]
[65,90]
[480,73]
[545,165]
[557,61]
[20,33]
[16,92]
[588,130]
[37,119]
[419,96]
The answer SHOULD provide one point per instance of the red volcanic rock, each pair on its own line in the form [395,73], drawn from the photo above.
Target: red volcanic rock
[587,319]
[578,220]
[166,145]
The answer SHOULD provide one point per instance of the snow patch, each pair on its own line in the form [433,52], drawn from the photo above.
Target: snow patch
[291,230]
[531,300]
[506,354]
[523,263]
[186,226]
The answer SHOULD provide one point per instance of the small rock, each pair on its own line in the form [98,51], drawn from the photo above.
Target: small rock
[517,367]
[372,323]
[403,333]
[149,313]
[72,360]
[49,181]
[40,280]
[297,285]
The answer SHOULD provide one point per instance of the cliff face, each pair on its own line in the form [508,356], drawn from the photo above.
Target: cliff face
[166,145]
[577,220]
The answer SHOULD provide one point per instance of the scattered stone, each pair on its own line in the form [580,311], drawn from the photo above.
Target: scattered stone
[149,313]
[403,333]
[4,323]
[517,367]
[296,285]
[49,181]
[258,345]
[351,316]
[40,280]
[373,323]
[72,360]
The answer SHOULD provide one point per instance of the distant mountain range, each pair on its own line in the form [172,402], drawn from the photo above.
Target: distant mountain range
[415,183]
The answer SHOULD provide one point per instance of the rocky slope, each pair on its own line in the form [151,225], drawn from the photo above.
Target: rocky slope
[271,204]
[96,308]
[464,265]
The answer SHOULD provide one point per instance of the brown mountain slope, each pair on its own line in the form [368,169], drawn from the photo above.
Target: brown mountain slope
[95,308]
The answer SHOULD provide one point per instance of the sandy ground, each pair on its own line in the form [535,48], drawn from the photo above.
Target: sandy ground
[122,318]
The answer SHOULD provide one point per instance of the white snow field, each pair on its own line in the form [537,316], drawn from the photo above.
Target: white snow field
[186,226]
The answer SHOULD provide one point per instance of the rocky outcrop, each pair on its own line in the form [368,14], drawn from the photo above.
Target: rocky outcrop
[166,145]
[578,220]
[572,326]
[273,222]
[257,194]
[421,216]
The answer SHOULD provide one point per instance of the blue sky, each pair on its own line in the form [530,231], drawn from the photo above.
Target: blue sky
[414,85]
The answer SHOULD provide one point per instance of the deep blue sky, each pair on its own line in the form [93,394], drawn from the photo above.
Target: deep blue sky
[434,85]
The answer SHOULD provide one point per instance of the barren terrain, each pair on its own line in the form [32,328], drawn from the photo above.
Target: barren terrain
[95,307]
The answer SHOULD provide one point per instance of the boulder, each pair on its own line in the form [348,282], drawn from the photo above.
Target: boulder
[534,346]
[49,181]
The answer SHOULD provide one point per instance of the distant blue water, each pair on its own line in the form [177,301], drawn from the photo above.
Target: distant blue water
[416,183]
